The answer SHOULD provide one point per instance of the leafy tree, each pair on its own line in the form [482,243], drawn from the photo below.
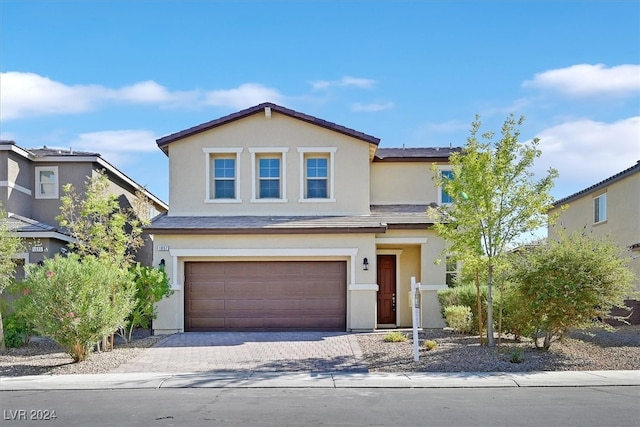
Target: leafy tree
[10,244]
[76,301]
[569,283]
[494,200]
[97,222]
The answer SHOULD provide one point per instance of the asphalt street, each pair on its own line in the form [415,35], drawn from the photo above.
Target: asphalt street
[532,406]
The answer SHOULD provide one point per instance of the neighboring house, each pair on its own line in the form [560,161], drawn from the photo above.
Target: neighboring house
[31,183]
[281,220]
[609,208]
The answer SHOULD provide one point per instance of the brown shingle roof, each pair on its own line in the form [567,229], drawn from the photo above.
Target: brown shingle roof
[381,218]
[165,140]
[415,154]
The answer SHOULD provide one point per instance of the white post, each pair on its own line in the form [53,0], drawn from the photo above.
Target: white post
[415,291]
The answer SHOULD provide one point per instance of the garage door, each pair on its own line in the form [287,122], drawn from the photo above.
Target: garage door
[259,296]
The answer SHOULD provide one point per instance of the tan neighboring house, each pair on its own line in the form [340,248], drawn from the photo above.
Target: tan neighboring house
[31,183]
[609,208]
[281,220]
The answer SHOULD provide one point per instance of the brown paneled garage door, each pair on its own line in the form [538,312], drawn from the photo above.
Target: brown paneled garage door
[282,295]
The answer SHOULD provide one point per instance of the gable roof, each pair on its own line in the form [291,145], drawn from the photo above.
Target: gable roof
[47,154]
[28,227]
[166,140]
[431,154]
[617,177]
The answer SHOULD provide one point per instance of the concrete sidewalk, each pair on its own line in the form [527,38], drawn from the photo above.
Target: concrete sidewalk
[229,379]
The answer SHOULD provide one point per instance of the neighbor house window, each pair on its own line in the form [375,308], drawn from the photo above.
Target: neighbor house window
[317,180]
[444,196]
[269,174]
[223,172]
[600,208]
[451,271]
[47,182]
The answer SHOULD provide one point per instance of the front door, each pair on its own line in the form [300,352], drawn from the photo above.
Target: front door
[387,289]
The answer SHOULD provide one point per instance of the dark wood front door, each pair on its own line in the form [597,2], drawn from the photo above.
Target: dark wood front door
[387,289]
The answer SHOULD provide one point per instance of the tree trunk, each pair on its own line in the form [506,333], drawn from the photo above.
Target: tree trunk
[2,344]
[491,341]
[479,300]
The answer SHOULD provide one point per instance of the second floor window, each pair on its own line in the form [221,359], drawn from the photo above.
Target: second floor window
[269,178]
[600,208]
[47,182]
[224,178]
[444,196]
[317,177]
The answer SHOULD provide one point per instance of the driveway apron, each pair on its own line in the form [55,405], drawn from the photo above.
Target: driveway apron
[251,351]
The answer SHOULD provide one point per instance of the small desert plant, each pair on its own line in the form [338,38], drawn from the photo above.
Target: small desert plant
[459,317]
[430,344]
[516,355]
[395,337]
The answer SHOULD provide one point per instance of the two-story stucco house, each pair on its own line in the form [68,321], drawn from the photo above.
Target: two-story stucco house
[31,182]
[609,208]
[281,220]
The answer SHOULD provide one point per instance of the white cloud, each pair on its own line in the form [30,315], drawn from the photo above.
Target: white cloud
[589,80]
[585,151]
[29,95]
[372,107]
[346,81]
[243,96]
[116,146]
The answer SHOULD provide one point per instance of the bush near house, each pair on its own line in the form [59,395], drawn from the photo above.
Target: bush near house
[77,301]
[459,318]
[464,295]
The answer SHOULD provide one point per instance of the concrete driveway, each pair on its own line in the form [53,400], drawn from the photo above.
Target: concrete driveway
[251,351]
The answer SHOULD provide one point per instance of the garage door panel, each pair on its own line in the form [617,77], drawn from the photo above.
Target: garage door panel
[287,295]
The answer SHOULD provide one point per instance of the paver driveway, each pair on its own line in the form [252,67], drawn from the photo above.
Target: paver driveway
[251,351]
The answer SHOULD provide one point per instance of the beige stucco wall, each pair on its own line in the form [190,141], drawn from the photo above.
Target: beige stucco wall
[402,183]
[187,167]
[17,183]
[623,218]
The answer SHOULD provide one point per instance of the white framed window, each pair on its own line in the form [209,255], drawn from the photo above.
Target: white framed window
[317,178]
[269,169]
[443,197]
[222,175]
[451,271]
[600,208]
[47,182]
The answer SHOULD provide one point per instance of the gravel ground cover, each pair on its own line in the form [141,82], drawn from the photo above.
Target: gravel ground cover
[581,350]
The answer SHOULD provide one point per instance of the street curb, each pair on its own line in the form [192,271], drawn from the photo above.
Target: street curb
[236,379]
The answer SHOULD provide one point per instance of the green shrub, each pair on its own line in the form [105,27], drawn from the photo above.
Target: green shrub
[17,330]
[430,344]
[569,283]
[459,317]
[77,301]
[516,355]
[395,337]
[465,295]
[151,285]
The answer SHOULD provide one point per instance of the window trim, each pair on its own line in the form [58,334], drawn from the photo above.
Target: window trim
[209,155]
[596,199]
[56,189]
[260,152]
[440,189]
[306,152]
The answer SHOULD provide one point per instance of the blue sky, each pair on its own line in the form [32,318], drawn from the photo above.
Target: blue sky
[112,76]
